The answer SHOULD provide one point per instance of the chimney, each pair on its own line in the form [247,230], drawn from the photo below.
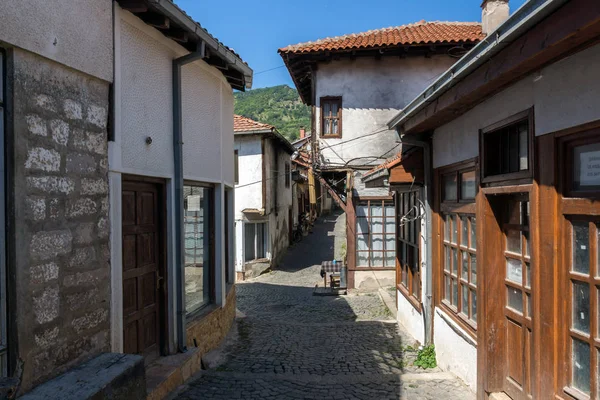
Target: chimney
[302,133]
[493,14]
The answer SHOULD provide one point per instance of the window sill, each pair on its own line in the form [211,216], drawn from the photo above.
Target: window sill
[331,136]
[575,394]
[457,326]
[372,269]
[410,298]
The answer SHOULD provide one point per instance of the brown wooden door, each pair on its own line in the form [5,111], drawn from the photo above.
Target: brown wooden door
[517,297]
[142,267]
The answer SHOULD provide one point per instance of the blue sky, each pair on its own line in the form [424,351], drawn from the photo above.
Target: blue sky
[256,29]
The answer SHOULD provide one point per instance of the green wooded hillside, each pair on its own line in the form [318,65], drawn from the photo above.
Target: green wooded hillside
[279,106]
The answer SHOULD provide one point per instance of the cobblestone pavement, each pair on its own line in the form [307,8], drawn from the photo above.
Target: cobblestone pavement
[292,345]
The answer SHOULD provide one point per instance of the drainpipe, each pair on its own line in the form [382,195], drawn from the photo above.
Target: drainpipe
[178,180]
[428,306]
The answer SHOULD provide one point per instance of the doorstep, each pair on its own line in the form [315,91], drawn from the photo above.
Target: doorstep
[167,373]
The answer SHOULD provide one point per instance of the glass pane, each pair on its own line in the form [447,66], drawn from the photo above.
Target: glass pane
[523,148]
[514,299]
[473,232]
[405,277]
[454,229]
[465,300]
[450,187]
[474,305]
[334,109]
[376,210]
[326,109]
[390,243]
[362,226]
[377,243]
[448,227]
[581,253]
[454,262]
[415,286]
[447,288]
[467,185]
[473,270]
[581,366]
[527,275]
[513,241]
[586,168]
[581,307]
[362,242]
[454,292]
[362,259]
[249,242]
[464,234]
[514,271]
[390,211]
[362,210]
[527,244]
[447,262]
[390,259]
[376,225]
[528,304]
[465,266]
[377,259]
[390,225]
[197,244]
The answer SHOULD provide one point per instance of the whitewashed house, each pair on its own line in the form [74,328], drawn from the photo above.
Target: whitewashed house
[355,84]
[264,212]
[171,177]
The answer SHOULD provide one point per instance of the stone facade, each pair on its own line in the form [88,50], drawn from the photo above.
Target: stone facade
[62,252]
[208,332]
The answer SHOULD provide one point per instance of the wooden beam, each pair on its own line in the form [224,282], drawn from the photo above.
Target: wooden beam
[178,36]
[134,6]
[156,20]
[333,193]
[573,26]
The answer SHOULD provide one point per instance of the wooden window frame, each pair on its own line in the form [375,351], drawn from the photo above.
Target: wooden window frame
[331,99]
[409,236]
[212,266]
[524,176]
[459,208]
[287,174]
[384,202]
[566,146]
[236,166]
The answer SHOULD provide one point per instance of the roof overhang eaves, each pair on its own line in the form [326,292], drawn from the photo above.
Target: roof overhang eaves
[253,132]
[525,18]
[380,173]
[232,60]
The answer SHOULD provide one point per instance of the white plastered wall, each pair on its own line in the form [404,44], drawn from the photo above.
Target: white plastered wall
[76,33]
[248,191]
[565,94]
[373,91]
[143,108]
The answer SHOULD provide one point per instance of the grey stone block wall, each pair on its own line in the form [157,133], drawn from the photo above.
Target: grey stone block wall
[61,216]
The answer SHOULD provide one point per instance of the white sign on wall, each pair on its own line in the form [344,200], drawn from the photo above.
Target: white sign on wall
[589,174]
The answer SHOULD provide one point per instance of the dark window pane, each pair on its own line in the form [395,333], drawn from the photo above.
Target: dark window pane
[464,232]
[514,299]
[467,185]
[581,366]
[586,168]
[474,305]
[465,300]
[473,232]
[581,252]
[506,150]
[581,307]
[450,187]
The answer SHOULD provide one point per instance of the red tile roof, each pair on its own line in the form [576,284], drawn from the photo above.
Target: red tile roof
[420,33]
[243,124]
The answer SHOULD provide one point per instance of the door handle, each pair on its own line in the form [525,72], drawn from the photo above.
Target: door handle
[158,279]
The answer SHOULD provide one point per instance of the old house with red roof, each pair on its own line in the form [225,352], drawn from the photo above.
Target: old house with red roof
[355,83]
[264,212]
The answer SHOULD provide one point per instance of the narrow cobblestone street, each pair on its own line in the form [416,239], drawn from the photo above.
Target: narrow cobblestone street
[290,344]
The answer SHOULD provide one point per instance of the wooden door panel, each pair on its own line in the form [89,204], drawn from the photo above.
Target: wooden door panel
[130,305]
[146,249]
[129,252]
[148,291]
[130,338]
[141,267]
[128,208]
[514,344]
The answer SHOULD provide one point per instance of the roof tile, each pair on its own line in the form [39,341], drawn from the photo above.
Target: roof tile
[243,124]
[419,33]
